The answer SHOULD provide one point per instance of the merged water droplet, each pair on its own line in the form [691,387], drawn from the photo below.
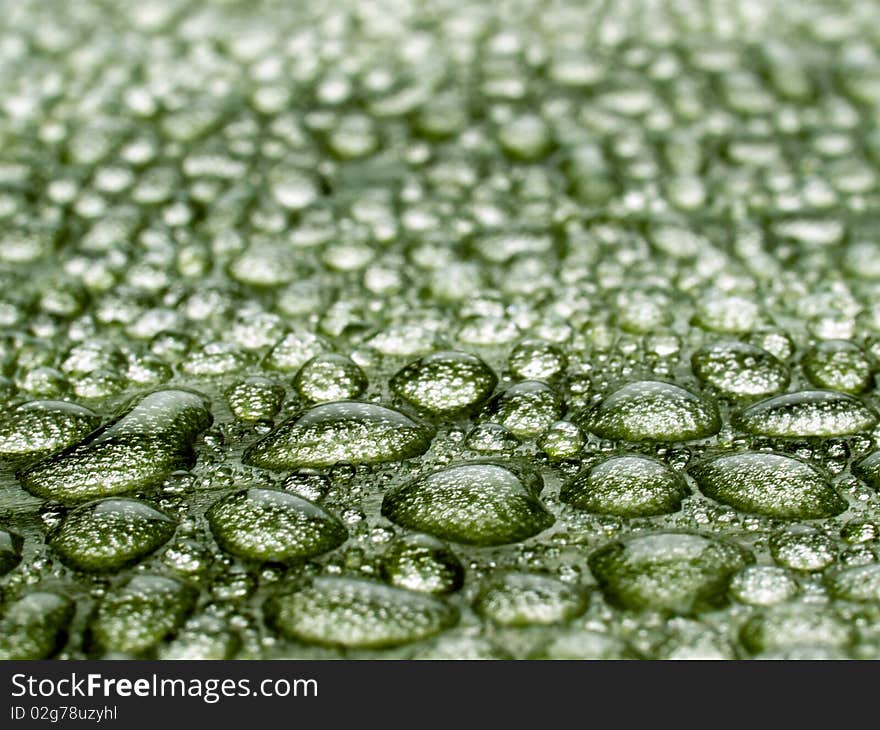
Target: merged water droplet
[134,452]
[628,486]
[40,427]
[422,563]
[343,432]
[673,571]
[34,626]
[271,525]
[653,411]
[768,484]
[135,617]
[357,614]
[445,383]
[808,413]
[740,370]
[111,533]
[477,503]
[525,599]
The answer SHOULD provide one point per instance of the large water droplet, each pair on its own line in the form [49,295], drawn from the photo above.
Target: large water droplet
[525,599]
[477,503]
[355,613]
[860,583]
[347,431]
[255,398]
[137,616]
[763,585]
[271,525]
[768,484]
[803,549]
[112,533]
[816,413]
[672,571]
[653,411]
[38,427]
[330,377]
[792,624]
[838,365]
[134,452]
[445,382]
[629,486]
[740,370]
[33,627]
[526,409]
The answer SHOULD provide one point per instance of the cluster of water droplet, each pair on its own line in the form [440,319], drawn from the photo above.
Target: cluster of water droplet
[439,329]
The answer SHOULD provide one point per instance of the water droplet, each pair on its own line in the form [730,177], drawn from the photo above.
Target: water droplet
[255,398]
[802,549]
[203,637]
[330,377]
[460,648]
[562,440]
[422,563]
[536,360]
[526,409]
[678,572]
[868,469]
[526,137]
[628,486]
[11,545]
[860,583]
[446,382]
[353,613]
[111,533]
[653,411]
[838,365]
[272,525]
[138,615]
[343,432]
[525,599]
[768,484]
[478,503]
[490,438]
[136,451]
[579,644]
[34,626]
[39,427]
[791,624]
[740,370]
[728,314]
[763,585]
[807,413]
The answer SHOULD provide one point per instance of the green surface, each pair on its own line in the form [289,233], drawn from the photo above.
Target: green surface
[439,329]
